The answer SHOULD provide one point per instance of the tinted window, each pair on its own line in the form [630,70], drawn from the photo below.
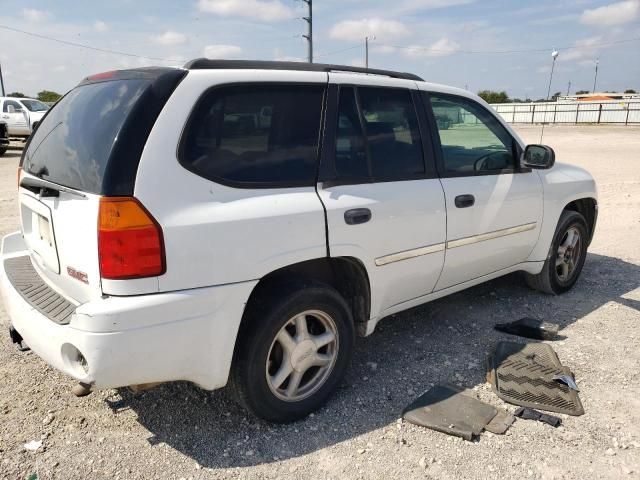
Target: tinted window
[15,105]
[255,134]
[35,105]
[472,139]
[392,131]
[351,157]
[75,139]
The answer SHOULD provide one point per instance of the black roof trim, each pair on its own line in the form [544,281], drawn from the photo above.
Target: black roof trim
[208,64]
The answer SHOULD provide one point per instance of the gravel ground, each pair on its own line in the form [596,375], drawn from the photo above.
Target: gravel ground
[178,431]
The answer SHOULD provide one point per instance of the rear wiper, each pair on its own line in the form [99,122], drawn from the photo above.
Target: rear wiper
[45,188]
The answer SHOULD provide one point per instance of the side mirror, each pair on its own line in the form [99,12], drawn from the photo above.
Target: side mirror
[538,156]
[11,109]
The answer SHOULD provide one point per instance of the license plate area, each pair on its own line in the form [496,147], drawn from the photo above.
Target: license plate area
[38,231]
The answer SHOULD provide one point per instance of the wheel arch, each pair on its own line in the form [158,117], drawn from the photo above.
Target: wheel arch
[588,208]
[347,275]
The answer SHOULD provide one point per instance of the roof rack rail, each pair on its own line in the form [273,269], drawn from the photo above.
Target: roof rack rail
[208,64]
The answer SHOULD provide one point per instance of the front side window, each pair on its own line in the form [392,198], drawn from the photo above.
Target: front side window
[472,139]
[381,139]
[255,134]
[35,105]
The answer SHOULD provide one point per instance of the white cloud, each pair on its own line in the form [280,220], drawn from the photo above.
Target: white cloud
[34,16]
[418,5]
[222,51]
[60,68]
[443,47]
[582,49]
[358,29]
[384,49]
[612,14]
[266,10]
[170,38]
[100,26]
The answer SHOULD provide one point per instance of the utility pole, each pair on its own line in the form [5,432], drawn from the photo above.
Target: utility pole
[366,49]
[568,87]
[366,52]
[1,81]
[309,35]
[554,55]
[595,78]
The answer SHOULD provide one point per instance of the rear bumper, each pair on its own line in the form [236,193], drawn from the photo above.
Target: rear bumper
[185,335]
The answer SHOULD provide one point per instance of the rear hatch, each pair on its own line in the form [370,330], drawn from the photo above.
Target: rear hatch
[86,147]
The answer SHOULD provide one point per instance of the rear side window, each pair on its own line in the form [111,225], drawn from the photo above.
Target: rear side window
[351,156]
[74,141]
[393,135]
[377,136]
[257,135]
[15,105]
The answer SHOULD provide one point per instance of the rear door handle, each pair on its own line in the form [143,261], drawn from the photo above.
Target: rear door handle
[356,216]
[464,201]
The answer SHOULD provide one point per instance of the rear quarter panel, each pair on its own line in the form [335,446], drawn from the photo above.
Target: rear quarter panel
[216,234]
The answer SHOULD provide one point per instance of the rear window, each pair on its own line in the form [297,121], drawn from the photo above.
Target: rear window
[74,141]
[255,135]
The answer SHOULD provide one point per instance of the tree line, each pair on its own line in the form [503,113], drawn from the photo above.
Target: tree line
[491,96]
[44,96]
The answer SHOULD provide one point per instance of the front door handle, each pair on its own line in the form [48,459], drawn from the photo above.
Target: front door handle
[356,216]
[464,201]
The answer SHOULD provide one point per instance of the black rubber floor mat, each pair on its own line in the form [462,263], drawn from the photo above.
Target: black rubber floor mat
[445,409]
[522,374]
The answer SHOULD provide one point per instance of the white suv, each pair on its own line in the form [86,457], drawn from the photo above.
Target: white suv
[240,222]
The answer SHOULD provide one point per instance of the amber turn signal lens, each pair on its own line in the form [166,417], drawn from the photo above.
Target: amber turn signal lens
[130,243]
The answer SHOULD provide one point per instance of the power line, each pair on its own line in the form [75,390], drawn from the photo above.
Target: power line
[532,50]
[89,47]
[326,54]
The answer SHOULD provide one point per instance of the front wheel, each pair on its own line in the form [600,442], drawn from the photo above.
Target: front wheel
[292,351]
[566,256]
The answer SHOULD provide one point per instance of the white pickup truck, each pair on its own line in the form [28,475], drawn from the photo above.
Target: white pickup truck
[163,239]
[22,115]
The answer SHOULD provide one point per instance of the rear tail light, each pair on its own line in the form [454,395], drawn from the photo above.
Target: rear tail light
[130,243]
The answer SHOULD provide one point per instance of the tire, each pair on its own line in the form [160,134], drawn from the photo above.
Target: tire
[555,277]
[3,150]
[259,377]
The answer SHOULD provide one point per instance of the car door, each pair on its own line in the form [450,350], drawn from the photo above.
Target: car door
[494,206]
[16,117]
[384,204]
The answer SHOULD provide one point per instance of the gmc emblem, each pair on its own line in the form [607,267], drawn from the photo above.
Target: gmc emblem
[78,275]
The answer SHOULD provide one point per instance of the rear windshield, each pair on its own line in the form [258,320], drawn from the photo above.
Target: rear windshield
[74,141]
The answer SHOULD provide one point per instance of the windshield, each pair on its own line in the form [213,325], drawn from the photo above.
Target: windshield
[73,144]
[35,105]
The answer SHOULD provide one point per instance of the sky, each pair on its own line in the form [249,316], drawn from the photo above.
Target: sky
[473,44]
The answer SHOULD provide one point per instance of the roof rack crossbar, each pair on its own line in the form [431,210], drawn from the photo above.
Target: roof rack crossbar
[209,64]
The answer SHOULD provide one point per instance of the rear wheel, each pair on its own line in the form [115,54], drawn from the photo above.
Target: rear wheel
[566,256]
[292,352]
